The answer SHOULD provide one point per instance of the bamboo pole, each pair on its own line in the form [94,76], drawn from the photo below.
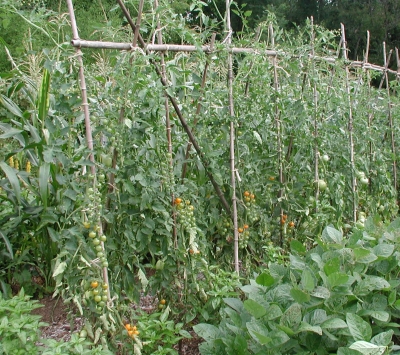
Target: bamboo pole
[138,20]
[180,116]
[350,129]
[278,127]
[80,43]
[315,99]
[228,29]
[88,129]
[390,118]
[198,108]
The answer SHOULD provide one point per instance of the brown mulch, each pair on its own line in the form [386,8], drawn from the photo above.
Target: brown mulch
[62,321]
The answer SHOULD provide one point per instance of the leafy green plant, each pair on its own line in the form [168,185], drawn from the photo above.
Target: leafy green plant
[341,296]
[20,332]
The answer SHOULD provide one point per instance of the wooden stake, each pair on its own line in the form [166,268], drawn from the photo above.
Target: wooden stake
[315,97]
[278,134]
[228,30]
[85,106]
[350,129]
[390,118]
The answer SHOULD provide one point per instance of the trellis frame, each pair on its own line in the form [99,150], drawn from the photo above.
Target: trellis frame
[161,47]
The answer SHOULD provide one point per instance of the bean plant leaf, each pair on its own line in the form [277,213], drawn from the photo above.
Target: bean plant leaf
[265,279]
[331,266]
[368,348]
[234,303]
[332,235]
[383,339]
[382,316]
[383,251]
[207,331]
[364,256]
[292,316]
[273,312]
[298,247]
[299,296]
[334,323]
[307,280]
[305,327]
[358,327]
[337,279]
[258,331]
[254,308]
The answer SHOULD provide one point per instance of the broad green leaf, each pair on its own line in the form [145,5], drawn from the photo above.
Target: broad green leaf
[254,308]
[273,312]
[12,178]
[265,279]
[321,292]
[292,316]
[298,247]
[315,317]
[234,303]
[334,323]
[207,331]
[383,250]
[364,256]
[299,296]
[297,262]
[305,327]
[278,338]
[332,235]
[368,348]
[382,316]
[307,280]
[358,327]
[371,283]
[392,297]
[258,331]
[331,266]
[383,339]
[337,279]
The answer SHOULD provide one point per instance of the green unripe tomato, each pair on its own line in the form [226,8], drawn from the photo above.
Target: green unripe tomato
[97,298]
[92,234]
[96,241]
[99,248]
[103,238]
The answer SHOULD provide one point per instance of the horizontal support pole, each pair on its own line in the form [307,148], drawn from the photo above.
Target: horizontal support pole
[160,47]
[80,43]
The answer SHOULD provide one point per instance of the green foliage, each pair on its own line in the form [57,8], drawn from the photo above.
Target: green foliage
[340,296]
[20,332]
